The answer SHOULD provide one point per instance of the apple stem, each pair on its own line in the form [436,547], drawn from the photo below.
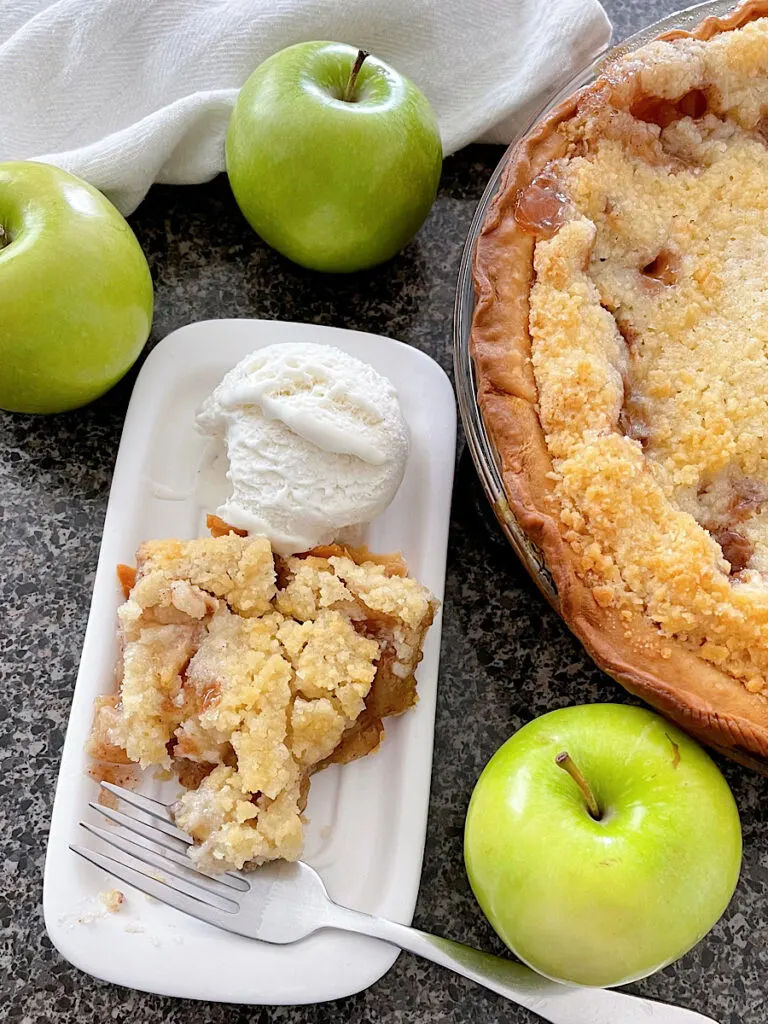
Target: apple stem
[4,239]
[566,762]
[348,96]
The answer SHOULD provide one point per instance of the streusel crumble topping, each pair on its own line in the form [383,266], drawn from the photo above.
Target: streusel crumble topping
[649,326]
[246,673]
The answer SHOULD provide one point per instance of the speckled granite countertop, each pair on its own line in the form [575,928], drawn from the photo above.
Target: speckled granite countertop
[506,657]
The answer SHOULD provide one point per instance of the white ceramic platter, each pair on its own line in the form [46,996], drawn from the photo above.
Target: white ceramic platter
[368,819]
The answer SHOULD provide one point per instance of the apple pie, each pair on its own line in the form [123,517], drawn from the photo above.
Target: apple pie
[620,342]
[245,673]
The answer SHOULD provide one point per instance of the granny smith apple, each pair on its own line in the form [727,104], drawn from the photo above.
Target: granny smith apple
[75,291]
[602,843]
[333,157]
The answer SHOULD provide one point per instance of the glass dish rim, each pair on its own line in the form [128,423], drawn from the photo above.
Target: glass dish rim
[478,441]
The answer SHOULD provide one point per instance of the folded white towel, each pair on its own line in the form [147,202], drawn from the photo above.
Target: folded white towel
[127,92]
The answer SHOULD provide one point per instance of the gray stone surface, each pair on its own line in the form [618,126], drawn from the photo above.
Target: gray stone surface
[506,656]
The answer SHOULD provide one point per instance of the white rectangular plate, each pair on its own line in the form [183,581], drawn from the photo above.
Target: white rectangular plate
[368,819]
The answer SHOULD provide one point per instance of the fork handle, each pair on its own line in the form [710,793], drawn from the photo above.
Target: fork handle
[559,1004]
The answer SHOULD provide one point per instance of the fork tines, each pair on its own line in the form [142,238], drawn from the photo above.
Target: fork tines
[159,865]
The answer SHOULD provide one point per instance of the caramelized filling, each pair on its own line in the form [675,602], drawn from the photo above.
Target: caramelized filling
[655,110]
[745,497]
[126,575]
[542,209]
[394,565]
[191,773]
[219,528]
[664,268]
[629,333]
[736,548]
[748,495]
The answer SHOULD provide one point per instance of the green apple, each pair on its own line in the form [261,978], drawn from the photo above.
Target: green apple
[602,843]
[333,157]
[75,291]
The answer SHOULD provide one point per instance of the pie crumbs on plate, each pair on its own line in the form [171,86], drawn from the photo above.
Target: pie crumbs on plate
[620,341]
[246,672]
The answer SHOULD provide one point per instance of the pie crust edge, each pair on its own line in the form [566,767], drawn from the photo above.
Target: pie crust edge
[692,692]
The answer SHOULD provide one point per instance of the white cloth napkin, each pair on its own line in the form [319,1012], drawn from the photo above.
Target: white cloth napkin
[127,92]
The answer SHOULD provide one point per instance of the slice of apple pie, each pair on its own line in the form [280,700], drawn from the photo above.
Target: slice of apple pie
[246,673]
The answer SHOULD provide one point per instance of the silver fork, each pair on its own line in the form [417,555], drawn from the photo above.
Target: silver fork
[282,903]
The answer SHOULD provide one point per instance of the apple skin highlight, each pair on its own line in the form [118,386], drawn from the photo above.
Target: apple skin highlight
[607,901]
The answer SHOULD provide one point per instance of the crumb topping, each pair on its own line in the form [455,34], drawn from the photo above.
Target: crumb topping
[245,685]
[649,327]
[112,900]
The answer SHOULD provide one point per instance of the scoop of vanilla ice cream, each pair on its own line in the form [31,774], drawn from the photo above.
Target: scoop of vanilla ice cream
[316,442]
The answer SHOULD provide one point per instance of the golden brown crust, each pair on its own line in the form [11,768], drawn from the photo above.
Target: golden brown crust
[737,18]
[708,703]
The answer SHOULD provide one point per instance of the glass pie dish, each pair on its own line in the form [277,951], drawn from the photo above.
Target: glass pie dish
[485,457]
